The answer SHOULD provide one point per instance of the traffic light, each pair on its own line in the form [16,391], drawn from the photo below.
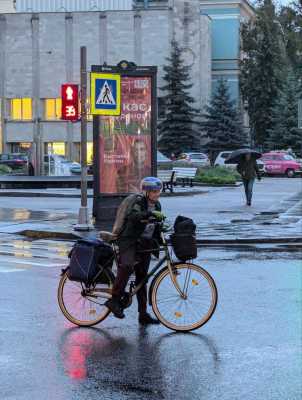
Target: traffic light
[70,102]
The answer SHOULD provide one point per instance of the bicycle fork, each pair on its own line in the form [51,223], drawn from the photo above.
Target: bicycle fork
[172,270]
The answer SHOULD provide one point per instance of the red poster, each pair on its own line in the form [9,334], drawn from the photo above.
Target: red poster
[125,141]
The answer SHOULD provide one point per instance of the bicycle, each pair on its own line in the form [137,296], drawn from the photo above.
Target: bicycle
[183,295]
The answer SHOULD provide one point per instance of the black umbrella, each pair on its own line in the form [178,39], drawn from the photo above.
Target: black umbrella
[236,156]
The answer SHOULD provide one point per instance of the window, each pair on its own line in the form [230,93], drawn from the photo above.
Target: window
[21,109]
[58,148]
[53,109]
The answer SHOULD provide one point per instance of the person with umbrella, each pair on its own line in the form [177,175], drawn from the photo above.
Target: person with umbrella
[247,168]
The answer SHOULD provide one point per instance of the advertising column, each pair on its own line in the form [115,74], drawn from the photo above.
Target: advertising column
[125,141]
[125,144]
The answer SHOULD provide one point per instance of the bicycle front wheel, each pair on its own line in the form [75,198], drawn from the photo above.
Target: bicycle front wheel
[193,309]
[84,306]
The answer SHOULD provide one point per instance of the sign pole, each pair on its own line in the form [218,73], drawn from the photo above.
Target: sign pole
[83,220]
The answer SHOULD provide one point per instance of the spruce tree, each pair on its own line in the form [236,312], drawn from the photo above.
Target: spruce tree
[262,68]
[222,122]
[179,130]
[285,132]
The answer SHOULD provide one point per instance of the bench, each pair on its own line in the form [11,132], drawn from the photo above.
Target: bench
[168,178]
[185,175]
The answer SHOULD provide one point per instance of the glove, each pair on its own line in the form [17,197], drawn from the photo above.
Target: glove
[158,215]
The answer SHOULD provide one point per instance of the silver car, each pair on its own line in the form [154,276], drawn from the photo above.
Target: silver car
[195,158]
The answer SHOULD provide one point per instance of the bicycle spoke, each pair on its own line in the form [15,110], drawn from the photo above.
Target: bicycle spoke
[80,309]
[192,311]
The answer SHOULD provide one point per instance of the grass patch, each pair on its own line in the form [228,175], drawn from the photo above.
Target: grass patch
[217,175]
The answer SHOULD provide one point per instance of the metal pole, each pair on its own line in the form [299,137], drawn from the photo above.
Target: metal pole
[83,221]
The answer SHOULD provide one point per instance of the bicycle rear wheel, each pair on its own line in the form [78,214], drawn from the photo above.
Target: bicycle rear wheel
[197,306]
[84,306]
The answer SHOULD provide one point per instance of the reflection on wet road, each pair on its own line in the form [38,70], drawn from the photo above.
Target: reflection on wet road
[17,254]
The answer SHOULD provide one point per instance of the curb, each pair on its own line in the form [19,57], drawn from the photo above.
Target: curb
[227,185]
[32,234]
[78,196]
[35,234]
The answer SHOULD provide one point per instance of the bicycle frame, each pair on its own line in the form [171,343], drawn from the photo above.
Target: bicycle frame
[156,268]
[166,258]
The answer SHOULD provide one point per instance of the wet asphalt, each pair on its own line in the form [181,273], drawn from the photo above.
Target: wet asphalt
[250,349]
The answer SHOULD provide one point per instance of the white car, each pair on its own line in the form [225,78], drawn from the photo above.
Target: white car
[223,155]
[220,160]
[198,159]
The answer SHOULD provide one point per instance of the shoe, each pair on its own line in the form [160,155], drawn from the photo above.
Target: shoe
[249,203]
[146,319]
[115,307]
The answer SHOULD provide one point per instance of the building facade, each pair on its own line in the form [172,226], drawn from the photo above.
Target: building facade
[38,6]
[40,51]
[7,6]
[226,17]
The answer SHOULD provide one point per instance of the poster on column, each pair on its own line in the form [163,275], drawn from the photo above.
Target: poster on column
[125,140]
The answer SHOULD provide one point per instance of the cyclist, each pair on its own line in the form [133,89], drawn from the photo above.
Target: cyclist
[135,246]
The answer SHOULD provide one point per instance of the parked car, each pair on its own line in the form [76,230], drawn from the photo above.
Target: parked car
[280,163]
[163,160]
[195,158]
[75,168]
[223,155]
[16,161]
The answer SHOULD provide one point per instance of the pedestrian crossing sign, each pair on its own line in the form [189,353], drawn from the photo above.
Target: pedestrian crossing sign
[105,93]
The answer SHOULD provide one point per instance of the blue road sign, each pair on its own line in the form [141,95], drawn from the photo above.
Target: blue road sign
[105,94]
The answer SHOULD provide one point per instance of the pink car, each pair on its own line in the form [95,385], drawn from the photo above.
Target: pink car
[277,163]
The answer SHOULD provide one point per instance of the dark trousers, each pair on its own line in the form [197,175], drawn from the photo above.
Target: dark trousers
[248,187]
[132,261]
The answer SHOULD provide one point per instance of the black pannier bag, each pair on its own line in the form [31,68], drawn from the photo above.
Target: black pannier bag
[87,257]
[183,239]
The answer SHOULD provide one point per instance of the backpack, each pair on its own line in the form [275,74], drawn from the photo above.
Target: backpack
[87,257]
[123,211]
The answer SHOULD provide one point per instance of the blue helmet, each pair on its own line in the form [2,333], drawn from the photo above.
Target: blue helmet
[151,183]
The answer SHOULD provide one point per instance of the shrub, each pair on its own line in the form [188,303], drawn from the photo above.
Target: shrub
[217,175]
[5,170]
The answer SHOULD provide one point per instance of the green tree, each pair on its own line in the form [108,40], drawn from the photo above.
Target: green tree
[222,122]
[262,68]
[179,130]
[290,18]
[285,132]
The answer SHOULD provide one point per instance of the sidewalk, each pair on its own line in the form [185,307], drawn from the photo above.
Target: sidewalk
[76,193]
[220,214]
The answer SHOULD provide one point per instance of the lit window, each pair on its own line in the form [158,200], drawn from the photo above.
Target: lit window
[21,109]
[53,109]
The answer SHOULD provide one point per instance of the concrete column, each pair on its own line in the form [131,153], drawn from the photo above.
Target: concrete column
[138,39]
[103,38]
[69,76]
[38,140]
[3,145]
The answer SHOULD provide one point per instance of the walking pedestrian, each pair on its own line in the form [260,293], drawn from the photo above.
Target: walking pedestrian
[248,169]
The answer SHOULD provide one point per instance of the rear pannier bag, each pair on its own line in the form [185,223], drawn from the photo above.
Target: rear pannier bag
[87,257]
[183,239]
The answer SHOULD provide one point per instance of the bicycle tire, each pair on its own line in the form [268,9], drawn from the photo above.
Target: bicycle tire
[68,314]
[159,278]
